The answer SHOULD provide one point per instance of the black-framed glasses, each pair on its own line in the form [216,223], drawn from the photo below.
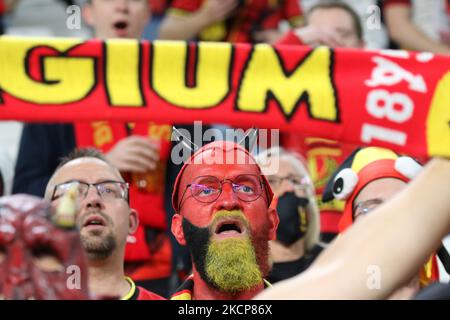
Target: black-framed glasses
[107,190]
[298,182]
[207,189]
[365,207]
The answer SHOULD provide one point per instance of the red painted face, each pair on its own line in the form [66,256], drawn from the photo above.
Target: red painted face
[201,214]
[38,260]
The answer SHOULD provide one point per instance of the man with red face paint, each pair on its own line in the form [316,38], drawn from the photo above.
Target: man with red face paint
[222,215]
[38,259]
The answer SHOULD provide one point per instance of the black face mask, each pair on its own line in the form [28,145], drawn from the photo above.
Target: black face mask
[293,221]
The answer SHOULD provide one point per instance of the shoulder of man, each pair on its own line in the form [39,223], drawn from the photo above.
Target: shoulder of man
[144,294]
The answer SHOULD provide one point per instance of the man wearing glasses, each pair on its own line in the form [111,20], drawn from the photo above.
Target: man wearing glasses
[221,201]
[104,219]
[368,178]
[223,216]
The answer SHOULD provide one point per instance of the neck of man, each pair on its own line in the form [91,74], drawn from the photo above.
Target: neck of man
[107,277]
[202,291]
[282,253]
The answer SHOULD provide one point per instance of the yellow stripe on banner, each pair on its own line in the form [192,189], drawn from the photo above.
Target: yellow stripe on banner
[438,121]
[311,80]
[122,73]
[211,73]
[65,79]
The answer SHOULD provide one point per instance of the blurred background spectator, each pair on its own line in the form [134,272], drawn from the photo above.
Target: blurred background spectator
[297,243]
[369,12]
[6,7]
[419,24]
[368,178]
[229,20]
[328,23]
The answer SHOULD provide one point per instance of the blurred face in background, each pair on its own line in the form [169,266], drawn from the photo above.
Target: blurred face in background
[374,194]
[288,179]
[294,202]
[117,18]
[339,20]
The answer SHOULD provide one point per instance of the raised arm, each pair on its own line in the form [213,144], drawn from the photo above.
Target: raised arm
[392,243]
[403,30]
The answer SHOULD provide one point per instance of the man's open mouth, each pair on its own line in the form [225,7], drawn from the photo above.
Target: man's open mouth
[120,25]
[229,227]
[94,220]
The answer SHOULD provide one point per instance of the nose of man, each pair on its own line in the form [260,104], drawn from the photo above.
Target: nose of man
[228,199]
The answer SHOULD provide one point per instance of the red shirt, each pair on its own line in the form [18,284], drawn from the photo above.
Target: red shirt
[254,15]
[158,7]
[2,7]
[143,294]
[290,38]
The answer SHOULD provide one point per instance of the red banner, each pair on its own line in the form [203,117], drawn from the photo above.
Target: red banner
[394,99]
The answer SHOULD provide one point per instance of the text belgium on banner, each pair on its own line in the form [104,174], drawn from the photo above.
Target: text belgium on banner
[395,99]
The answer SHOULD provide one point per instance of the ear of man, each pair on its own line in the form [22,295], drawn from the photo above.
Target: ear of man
[274,220]
[87,14]
[133,221]
[177,229]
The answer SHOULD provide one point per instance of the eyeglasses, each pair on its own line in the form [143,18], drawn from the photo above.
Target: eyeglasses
[207,189]
[297,181]
[107,190]
[365,207]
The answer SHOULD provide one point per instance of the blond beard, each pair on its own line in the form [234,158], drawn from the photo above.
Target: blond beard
[231,264]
